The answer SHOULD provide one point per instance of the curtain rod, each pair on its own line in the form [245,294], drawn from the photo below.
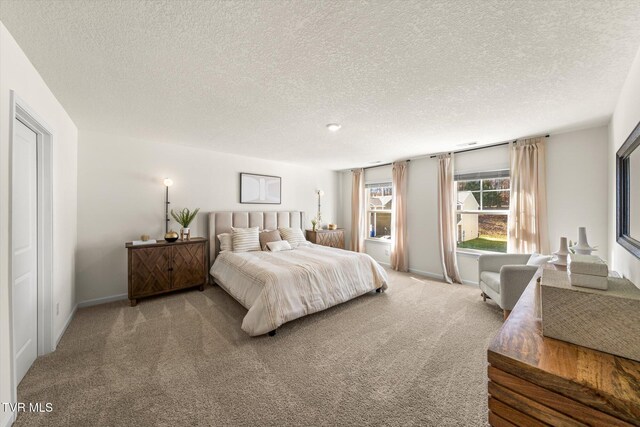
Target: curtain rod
[498,144]
[485,146]
[379,166]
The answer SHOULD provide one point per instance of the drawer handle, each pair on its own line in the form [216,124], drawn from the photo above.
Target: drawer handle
[171,269]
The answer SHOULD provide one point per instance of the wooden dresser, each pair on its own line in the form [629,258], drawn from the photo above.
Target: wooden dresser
[536,381]
[164,267]
[332,238]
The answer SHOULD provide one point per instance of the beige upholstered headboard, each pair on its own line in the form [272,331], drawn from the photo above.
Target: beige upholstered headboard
[221,222]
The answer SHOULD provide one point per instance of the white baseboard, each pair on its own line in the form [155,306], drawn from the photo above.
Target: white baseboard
[9,418]
[426,274]
[66,324]
[103,300]
[440,277]
[471,283]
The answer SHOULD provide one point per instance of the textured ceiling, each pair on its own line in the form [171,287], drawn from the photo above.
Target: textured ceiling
[263,78]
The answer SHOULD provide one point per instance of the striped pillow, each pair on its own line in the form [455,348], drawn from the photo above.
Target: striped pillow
[245,239]
[293,235]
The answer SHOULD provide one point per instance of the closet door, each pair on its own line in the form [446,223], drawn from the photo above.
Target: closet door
[24,247]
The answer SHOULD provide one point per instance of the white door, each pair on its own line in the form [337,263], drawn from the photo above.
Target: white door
[24,246]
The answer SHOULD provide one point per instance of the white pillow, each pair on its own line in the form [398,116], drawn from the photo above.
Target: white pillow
[293,235]
[245,239]
[226,243]
[280,245]
[537,260]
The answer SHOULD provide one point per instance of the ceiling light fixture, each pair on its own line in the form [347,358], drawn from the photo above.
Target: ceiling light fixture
[334,127]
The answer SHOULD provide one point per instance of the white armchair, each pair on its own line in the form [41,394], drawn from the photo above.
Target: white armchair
[503,278]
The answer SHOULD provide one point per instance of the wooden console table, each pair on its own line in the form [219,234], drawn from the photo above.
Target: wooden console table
[539,381]
[331,238]
[162,267]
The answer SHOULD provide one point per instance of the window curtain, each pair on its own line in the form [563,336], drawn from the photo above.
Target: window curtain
[399,255]
[528,230]
[447,218]
[357,211]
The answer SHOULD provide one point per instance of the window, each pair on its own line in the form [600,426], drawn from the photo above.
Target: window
[379,201]
[482,210]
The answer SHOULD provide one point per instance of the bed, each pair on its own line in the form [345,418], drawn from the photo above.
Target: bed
[277,287]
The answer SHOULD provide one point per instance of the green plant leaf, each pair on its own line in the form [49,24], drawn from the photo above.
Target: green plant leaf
[184,217]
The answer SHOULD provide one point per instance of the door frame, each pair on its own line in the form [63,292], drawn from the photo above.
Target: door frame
[20,110]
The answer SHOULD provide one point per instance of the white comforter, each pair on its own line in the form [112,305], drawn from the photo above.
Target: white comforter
[278,287]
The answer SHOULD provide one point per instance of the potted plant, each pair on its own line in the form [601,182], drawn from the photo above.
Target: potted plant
[184,218]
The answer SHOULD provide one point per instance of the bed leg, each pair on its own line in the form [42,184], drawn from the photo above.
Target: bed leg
[272,333]
[378,290]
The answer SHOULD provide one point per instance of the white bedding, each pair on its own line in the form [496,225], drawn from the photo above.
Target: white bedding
[277,287]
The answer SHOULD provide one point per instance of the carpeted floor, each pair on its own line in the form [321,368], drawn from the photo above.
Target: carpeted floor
[415,355]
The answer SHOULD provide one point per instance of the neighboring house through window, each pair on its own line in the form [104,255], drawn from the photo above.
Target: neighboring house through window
[379,202]
[482,210]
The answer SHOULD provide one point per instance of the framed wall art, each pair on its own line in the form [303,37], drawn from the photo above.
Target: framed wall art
[260,189]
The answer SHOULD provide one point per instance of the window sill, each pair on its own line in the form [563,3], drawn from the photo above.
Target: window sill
[378,240]
[475,252]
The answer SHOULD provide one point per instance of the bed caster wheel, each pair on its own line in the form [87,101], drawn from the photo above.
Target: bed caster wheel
[272,333]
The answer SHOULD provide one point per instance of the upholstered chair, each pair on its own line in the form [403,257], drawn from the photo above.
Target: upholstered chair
[503,278]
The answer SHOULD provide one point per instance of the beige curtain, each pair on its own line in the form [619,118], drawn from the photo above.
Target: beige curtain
[357,211]
[399,255]
[528,230]
[447,218]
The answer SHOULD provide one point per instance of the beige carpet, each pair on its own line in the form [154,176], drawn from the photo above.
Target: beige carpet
[415,355]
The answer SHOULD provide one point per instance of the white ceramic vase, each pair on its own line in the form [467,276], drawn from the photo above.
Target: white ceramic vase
[185,233]
[562,253]
[583,247]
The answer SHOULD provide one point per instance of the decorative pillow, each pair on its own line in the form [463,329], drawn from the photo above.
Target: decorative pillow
[226,243]
[280,245]
[293,235]
[537,260]
[245,239]
[267,236]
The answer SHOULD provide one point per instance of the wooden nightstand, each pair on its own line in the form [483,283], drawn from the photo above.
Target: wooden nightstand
[163,267]
[332,238]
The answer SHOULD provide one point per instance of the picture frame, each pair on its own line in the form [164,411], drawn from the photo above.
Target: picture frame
[260,189]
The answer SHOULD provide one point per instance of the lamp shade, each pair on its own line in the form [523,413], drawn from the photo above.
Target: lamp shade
[168,182]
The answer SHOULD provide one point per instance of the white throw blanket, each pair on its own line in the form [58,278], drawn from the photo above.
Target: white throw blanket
[278,287]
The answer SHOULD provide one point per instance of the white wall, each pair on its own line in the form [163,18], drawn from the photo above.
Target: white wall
[577,189]
[18,74]
[574,199]
[625,117]
[121,196]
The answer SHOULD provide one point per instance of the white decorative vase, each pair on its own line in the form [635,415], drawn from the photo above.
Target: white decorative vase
[185,233]
[583,247]
[562,253]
